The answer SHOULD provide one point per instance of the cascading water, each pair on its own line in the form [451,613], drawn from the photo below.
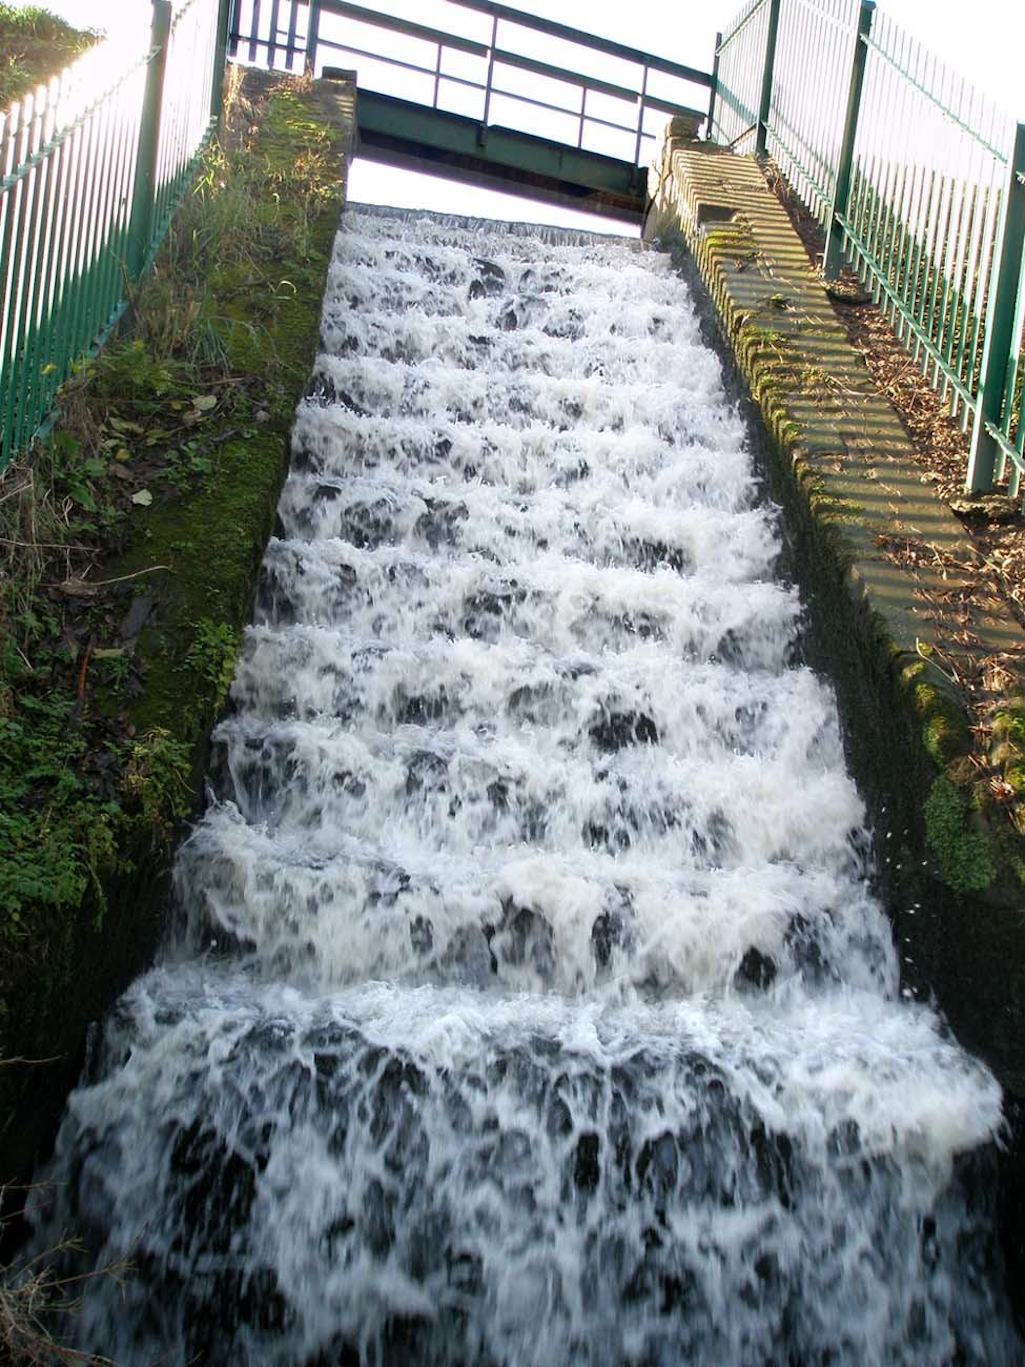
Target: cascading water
[532,1006]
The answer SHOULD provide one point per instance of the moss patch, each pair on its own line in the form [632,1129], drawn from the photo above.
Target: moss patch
[964,854]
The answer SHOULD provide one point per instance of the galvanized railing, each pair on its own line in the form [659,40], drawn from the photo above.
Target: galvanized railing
[918,181]
[94,164]
[500,66]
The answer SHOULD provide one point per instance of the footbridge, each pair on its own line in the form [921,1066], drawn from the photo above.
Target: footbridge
[503,98]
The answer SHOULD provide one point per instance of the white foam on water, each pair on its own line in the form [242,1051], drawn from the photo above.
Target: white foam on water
[529,1001]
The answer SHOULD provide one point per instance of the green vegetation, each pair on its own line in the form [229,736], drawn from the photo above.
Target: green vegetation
[945,732]
[34,45]
[1008,749]
[129,544]
[962,851]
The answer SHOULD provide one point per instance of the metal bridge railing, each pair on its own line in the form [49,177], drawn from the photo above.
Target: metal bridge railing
[917,179]
[93,165]
[504,67]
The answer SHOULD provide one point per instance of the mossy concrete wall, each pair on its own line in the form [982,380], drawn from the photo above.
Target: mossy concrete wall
[197,556]
[859,515]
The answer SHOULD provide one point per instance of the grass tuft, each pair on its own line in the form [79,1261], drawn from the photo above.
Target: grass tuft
[35,45]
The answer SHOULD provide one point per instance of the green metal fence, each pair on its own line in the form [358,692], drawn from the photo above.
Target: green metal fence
[94,164]
[918,181]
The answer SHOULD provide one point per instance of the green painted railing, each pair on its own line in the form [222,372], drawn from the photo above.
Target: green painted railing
[918,181]
[495,64]
[94,164]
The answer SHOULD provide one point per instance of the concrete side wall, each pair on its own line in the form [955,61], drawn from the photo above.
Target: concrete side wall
[840,464]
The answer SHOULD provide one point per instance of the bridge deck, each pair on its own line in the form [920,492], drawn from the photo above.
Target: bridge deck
[412,135]
[412,77]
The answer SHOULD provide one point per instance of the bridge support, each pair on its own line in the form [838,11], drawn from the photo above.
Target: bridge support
[409,135]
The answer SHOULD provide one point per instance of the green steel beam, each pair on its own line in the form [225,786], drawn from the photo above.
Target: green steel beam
[410,134]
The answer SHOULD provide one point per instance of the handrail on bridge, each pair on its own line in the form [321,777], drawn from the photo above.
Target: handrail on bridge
[275,28]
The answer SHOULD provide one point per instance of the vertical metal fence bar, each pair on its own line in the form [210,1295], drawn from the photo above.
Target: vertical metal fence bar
[895,192]
[66,155]
[910,212]
[925,256]
[901,229]
[1016,386]
[950,262]
[950,265]
[90,239]
[69,293]
[254,31]
[14,281]
[969,271]
[127,146]
[234,19]
[939,289]
[768,68]
[832,41]
[272,34]
[44,192]
[876,237]
[171,131]
[12,198]
[957,344]
[987,237]
[999,334]
[108,265]
[221,50]
[640,115]
[841,191]
[913,290]
[149,137]
[491,71]
[713,89]
[1014,418]
[290,41]
[312,37]
[27,270]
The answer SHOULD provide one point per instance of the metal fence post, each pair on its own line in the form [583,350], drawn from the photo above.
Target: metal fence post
[767,73]
[842,185]
[233,26]
[714,88]
[220,56]
[1001,318]
[312,38]
[490,77]
[140,229]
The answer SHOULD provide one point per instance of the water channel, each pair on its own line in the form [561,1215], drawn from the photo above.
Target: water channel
[529,1001]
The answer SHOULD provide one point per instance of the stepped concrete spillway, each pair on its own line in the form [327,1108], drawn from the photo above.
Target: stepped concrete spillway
[529,1001]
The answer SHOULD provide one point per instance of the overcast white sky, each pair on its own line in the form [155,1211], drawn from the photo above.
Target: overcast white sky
[984,41]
